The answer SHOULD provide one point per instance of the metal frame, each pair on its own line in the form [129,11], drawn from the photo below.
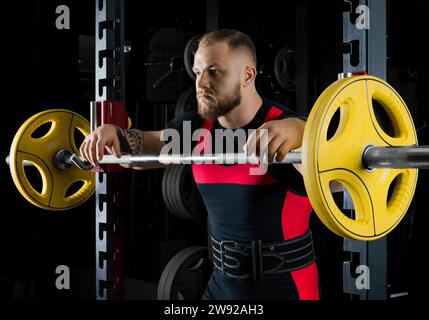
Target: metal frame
[109,86]
[370,45]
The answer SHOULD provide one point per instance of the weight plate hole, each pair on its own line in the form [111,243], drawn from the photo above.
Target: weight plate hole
[34,177]
[78,137]
[42,130]
[392,188]
[333,124]
[343,203]
[73,188]
[383,118]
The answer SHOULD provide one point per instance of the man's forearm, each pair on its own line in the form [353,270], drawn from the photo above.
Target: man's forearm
[131,140]
[143,142]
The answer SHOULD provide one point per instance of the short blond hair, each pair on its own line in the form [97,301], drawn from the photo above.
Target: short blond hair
[234,38]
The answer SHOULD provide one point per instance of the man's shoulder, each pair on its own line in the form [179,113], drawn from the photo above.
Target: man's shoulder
[278,110]
[277,105]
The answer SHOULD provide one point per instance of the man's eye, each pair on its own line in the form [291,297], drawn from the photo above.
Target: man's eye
[213,71]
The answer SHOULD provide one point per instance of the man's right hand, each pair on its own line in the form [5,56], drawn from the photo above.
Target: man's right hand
[103,138]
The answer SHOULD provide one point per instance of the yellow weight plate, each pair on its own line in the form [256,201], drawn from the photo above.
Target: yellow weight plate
[340,157]
[40,151]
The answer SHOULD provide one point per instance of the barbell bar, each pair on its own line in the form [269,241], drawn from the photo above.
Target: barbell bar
[372,158]
[379,169]
[396,157]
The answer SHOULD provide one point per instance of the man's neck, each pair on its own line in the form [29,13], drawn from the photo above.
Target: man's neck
[243,113]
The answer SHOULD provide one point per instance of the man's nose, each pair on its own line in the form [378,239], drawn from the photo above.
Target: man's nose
[202,81]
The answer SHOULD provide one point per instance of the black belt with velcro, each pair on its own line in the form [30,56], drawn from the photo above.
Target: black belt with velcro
[254,259]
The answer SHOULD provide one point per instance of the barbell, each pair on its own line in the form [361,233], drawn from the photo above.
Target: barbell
[378,168]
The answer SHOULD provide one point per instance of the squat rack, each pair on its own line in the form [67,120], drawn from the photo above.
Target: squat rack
[368,44]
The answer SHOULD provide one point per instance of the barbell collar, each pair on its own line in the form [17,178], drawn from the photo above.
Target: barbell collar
[396,157]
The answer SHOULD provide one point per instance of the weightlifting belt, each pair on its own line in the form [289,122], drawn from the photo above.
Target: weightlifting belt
[254,259]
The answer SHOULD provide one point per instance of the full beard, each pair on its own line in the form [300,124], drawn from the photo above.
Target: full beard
[212,110]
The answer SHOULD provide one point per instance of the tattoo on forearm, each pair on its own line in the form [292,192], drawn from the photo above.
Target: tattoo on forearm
[135,140]
[131,140]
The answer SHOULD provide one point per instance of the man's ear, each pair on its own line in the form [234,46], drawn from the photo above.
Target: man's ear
[249,75]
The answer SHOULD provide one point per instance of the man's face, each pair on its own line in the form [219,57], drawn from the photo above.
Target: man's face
[217,69]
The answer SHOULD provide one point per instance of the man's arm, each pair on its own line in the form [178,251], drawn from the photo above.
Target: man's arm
[108,137]
[284,135]
[281,136]
[144,142]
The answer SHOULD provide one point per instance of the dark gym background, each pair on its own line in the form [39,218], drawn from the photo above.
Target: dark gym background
[45,68]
